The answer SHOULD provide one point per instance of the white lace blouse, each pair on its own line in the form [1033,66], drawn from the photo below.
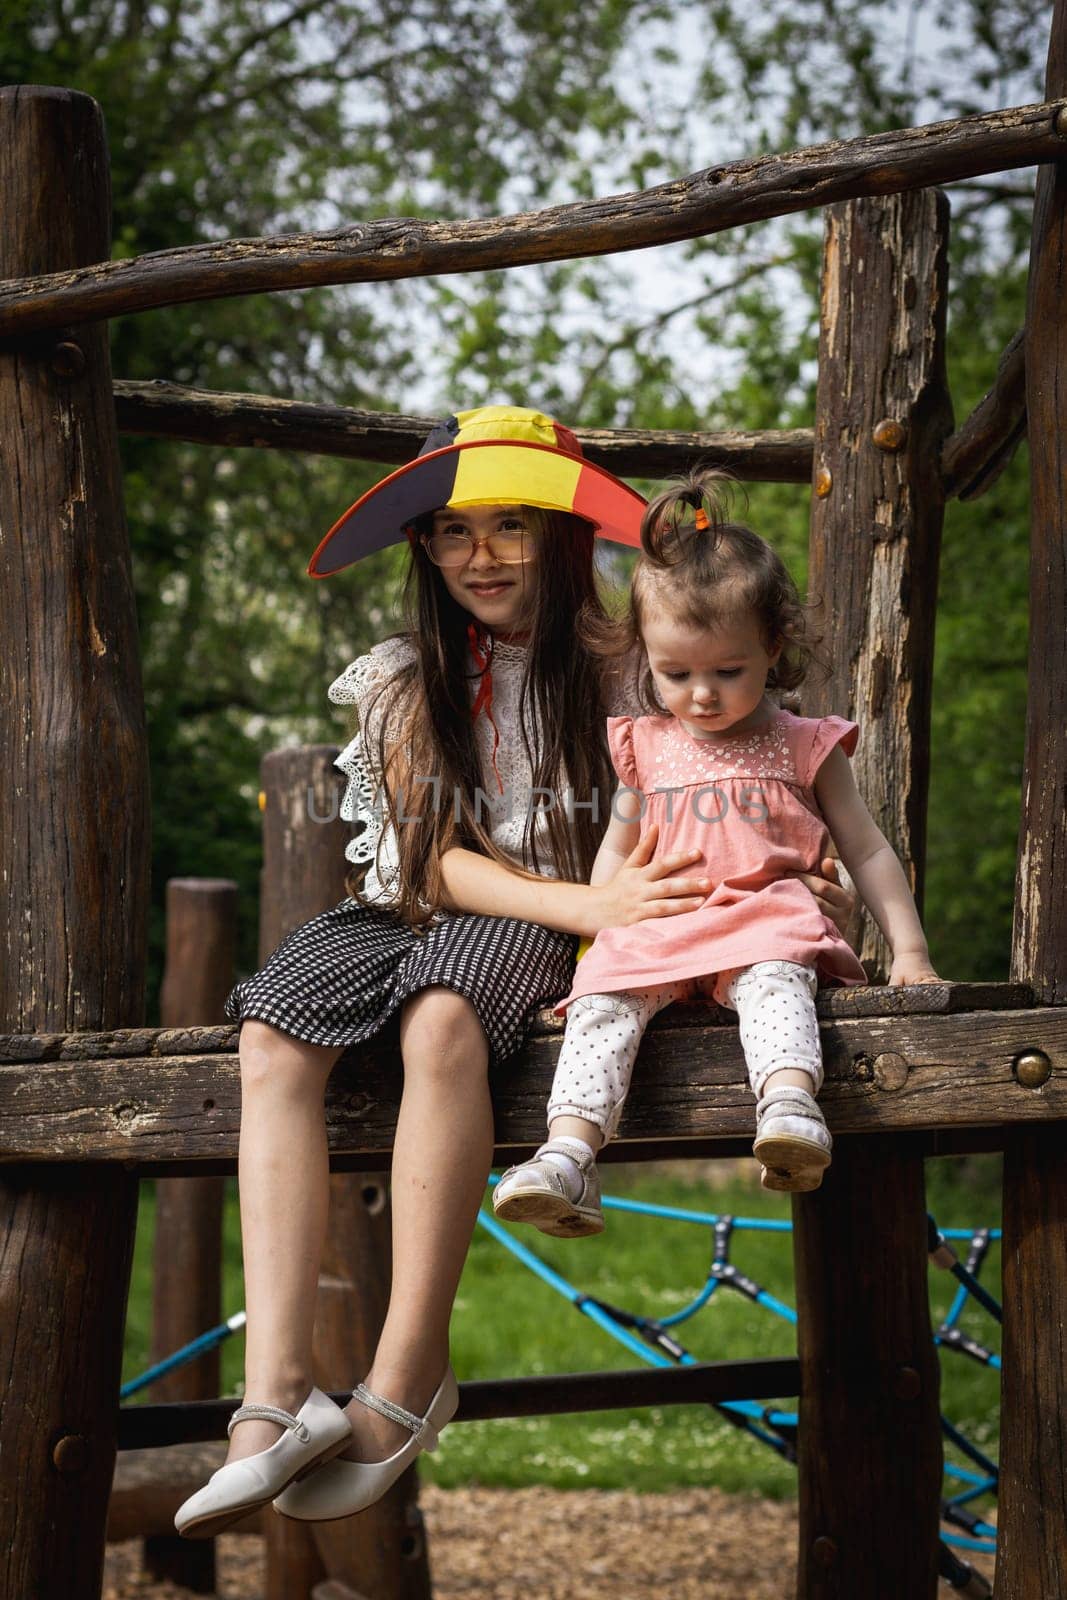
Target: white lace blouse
[359,686]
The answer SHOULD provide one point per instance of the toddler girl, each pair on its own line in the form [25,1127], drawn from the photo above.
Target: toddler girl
[757,791]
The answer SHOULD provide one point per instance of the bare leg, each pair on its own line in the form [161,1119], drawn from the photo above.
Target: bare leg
[284,1184]
[441,1158]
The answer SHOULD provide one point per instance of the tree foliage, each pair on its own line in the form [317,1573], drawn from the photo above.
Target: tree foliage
[238,118]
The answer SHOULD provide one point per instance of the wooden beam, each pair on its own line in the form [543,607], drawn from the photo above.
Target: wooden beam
[869,1441]
[73,848]
[150,1485]
[897,1073]
[1039,954]
[882,414]
[303,874]
[869,1438]
[928,999]
[201,937]
[971,462]
[707,202]
[1032,1560]
[1032,1520]
[200,416]
[485,1399]
[978,452]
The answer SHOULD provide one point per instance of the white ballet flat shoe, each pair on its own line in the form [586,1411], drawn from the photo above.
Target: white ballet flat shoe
[341,1488]
[319,1431]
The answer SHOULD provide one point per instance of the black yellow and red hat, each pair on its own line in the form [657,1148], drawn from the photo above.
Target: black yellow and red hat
[496,455]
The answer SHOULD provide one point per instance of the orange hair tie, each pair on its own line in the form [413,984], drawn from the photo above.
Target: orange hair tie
[700,521]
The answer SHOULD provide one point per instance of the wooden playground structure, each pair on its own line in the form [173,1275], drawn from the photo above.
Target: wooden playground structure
[91,1101]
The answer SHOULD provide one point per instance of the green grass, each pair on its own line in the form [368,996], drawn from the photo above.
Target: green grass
[507,1322]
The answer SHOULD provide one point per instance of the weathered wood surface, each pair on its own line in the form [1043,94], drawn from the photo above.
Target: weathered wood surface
[403,247]
[1032,1557]
[978,452]
[199,416]
[187,1252]
[201,938]
[898,1073]
[74,822]
[383,1552]
[882,412]
[303,874]
[73,849]
[934,999]
[555,1394]
[869,1440]
[971,461]
[1039,954]
[1032,1520]
[150,1485]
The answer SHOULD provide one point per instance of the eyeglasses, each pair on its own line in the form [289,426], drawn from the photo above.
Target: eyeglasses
[455,549]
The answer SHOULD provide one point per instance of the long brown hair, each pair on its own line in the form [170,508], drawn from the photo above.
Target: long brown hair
[423,726]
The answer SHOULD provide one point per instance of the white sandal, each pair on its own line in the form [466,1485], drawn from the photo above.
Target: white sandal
[318,1431]
[535,1192]
[341,1488]
[793,1142]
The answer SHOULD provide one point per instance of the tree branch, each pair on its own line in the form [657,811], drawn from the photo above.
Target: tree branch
[630,337]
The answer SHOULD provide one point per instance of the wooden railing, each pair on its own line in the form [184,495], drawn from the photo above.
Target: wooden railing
[89,1099]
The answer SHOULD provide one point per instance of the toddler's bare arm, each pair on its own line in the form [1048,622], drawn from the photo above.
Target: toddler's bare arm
[873,864]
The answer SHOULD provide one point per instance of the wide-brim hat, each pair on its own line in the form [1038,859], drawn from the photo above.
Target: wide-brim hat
[496,455]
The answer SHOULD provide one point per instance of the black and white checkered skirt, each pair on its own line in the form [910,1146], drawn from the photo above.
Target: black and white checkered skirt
[337,979]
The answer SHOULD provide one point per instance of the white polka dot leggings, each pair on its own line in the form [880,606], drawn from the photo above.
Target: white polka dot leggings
[775,1005]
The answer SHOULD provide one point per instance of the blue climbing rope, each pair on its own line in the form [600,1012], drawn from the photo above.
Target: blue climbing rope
[653,1341]
[648,1337]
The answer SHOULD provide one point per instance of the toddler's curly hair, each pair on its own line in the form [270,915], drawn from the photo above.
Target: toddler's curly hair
[702,570]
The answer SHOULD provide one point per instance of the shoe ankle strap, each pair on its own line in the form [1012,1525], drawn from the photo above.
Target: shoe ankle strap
[787,1092]
[285,1419]
[387,1408]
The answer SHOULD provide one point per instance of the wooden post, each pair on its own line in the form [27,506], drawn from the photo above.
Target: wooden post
[869,1441]
[1032,1541]
[187,1257]
[882,413]
[869,1445]
[380,1554]
[73,848]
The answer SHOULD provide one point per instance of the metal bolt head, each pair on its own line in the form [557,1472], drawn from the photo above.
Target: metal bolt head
[824,1551]
[824,482]
[1032,1068]
[889,434]
[70,1454]
[890,1070]
[907,1385]
[68,359]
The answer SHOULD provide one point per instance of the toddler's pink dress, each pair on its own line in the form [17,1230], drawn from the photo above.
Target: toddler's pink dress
[748,805]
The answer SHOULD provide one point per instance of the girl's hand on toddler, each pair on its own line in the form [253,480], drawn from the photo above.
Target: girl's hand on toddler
[645,888]
[912,966]
[835,900]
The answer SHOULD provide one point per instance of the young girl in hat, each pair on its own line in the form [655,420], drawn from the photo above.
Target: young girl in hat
[757,792]
[465,925]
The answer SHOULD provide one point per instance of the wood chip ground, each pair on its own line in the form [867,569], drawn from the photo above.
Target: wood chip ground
[517,1544]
